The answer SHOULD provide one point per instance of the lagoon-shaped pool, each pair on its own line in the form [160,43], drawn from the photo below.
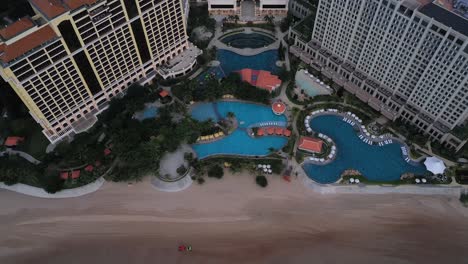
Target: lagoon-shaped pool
[239,142]
[374,162]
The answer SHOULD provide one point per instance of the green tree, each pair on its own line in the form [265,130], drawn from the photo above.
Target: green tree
[216,171]
[261,181]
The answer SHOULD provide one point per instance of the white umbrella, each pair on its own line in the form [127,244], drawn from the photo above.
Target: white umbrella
[351,180]
[268,166]
[417,181]
[434,165]
[307,117]
[322,160]
[329,139]
[259,166]
[363,127]
[305,71]
[367,134]
[309,129]
[264,166]
[356,180]
[270,171]
[423,180]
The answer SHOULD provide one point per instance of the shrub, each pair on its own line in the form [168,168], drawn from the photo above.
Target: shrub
[261,181]
[216,171]
[464,198]
[200,180]
[181,170]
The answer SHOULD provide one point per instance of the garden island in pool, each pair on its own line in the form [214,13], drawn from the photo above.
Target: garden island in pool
[239,143]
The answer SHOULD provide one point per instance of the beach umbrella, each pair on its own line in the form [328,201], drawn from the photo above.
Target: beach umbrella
[265,170]
[322,160]
[356,180]
[268,166]
[423,180]
[434,165]
[309,129]
[270,171]
[351,180]
[363,127]
[367,134]
[264,166]
[417,181]
[329,139]
[259,166]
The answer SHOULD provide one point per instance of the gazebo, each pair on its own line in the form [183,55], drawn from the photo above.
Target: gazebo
[278,108]
[434,165]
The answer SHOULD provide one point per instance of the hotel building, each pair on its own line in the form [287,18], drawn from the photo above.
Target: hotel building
[249,9]
[73,56]
[407,59]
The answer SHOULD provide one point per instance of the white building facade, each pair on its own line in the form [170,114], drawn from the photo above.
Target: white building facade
[407,59]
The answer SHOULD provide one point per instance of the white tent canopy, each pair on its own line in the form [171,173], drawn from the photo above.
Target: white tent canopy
[434,165]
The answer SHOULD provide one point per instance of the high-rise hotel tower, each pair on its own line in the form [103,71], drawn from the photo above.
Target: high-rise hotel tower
[407,59]
[73,56]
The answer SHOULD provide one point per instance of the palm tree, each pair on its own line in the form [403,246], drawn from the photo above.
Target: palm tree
[269,19]
[236,18]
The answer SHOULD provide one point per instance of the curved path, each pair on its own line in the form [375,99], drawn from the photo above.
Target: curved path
[41,193]
[22,154]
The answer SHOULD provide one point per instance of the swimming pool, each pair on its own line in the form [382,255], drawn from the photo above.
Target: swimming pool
[244,40]
[231,61]
[311,88]
[374,162]
[149,112]
[239,142]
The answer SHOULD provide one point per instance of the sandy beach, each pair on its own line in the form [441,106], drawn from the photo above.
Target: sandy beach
[232,221]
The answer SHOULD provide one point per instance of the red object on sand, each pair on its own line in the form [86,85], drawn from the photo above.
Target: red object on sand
[182,248]
[287,178]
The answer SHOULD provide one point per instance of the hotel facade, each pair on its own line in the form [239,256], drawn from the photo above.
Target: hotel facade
[73,56]
[407,59]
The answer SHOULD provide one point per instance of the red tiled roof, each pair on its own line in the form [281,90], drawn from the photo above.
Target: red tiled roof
[259,78]
[50,8]
[16,28]
[54,8]
[64,175]
[271,130]
[279,131]
[89,168]
[29,42]
[287,132]
[163,93]
[107,152]
[260,132]
[13,141]
[278,108]
[75,174]
[310,144]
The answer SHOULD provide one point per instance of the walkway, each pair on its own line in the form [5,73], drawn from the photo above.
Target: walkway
[41,193]
[22,154]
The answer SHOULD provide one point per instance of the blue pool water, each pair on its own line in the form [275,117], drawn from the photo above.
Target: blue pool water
[148,112]
[244,40]
[231,61]
[238,143]
[374,162]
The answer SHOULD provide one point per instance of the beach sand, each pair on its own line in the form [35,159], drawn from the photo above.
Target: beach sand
[232,220]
